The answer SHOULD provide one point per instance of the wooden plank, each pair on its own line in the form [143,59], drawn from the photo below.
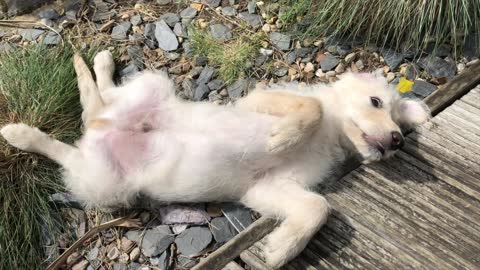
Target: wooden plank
[454,89]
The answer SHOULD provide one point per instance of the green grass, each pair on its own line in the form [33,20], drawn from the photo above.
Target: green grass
[37,87]
[232,57]
[400,24]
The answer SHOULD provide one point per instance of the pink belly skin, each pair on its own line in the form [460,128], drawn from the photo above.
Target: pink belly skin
[127,149]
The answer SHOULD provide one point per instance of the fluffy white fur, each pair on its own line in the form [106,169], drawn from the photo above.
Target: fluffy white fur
[140,138]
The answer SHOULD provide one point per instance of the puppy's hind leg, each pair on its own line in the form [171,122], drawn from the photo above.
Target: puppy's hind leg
[104,68]
[90,98]
[33,140]
[302,213]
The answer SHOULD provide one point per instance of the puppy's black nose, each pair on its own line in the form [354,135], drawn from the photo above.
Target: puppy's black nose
[397,140]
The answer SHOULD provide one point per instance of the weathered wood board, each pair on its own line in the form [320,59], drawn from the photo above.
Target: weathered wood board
[419,210]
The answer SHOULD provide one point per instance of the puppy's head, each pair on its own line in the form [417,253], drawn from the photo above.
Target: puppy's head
[373,115]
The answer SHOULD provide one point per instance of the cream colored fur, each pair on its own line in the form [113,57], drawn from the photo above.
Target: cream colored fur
[267,151]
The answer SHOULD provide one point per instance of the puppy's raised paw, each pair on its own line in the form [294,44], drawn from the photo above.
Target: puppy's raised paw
[20,135]
[285,136]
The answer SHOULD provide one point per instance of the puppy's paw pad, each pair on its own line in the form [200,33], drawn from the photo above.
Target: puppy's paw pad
[19,135]
[103,61]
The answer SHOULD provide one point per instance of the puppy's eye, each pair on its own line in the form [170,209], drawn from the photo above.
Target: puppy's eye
[376,102]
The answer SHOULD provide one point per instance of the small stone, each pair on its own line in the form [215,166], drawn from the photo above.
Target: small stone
[222,230]
[252,7]
[135,254]
[292,72]
[330,74]
[30,34]
[155,240]
[360,64]
[161,261]
[113,253]
[266,52]
[266,28]
[390,77]
[193,240]
[200,92]
[239,216]
[350,57]
[253,20]
[179,228]
[212,3]
[170,18]
[124,258]
[340,68]
[136,55]
[280,72]
[229,11]
[119,266]
[438,67]
[50,13]
[220,32]
[280,40]
[186,262]
[329,63]
[460,67]
[82,265]
[166,39]
[411,72]
[386,69]
[188,13]
[309,67]
[423,88]
[73,258]
[179,30]
[126,244]
[320,74]
[136,20]
[392,58]
[93,254]
[216,84]
[237,88]
[206,75]
[120,31]
[343,50]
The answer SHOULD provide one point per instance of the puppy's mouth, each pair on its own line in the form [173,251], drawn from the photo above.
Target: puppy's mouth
[374,143]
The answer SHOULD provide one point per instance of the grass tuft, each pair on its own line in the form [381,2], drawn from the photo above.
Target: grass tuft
[402,24]
[233,57]
[37,87]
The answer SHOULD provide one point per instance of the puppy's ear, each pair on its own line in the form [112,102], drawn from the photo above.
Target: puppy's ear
[410,113]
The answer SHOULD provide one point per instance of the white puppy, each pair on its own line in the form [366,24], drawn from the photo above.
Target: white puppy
[266,151]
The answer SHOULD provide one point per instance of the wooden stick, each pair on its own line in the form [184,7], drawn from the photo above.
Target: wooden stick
[232,249]
[454,89]
[119,222]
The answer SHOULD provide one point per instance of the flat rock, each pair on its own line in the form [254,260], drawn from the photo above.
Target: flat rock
[423,88]
[438,67]
[167,40]
[280,72]
[154,241]
[212,3]
[220,32]
[179,30]
[136,20]
[149,31]
[239,216]
[182,214]
[170,18]
[193,240]
[128,72]
[229,11]
[120,31]
[50,13]
[136,55]
[392,58]
[206,75]
[188,86]
[253,20]
[412,72]
[201,92]
[216,84]
[119,266]
[222,230]
[280,40]
[252,7]
[329,62]
[188,13]
[162,260]
[30,34]
[237,88]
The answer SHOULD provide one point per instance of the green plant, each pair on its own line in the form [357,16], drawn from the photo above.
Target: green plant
[37,87]
[232,57]
[403,24]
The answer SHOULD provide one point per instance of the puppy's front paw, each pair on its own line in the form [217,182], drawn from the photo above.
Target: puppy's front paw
[20,135]
[284,136]
[103,62]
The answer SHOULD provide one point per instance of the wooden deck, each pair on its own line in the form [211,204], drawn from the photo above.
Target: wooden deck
[419,210]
